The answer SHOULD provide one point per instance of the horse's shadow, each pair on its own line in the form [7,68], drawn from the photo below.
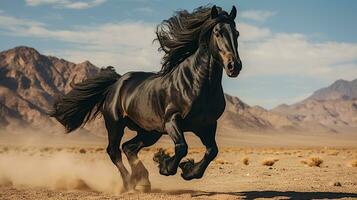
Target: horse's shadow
[267,194]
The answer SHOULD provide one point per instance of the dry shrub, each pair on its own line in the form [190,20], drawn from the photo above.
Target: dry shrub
[45,149]
[313,162]
[221,161]
[82,151]
[245,161]
[269,162]
[353,163]
[297,152]
[99,149]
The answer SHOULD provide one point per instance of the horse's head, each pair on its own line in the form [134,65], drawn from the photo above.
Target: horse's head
[224,41]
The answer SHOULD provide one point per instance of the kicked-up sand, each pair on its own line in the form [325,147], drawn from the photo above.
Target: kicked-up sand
[81,169]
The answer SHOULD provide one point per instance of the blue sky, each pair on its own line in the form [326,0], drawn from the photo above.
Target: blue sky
[288,48]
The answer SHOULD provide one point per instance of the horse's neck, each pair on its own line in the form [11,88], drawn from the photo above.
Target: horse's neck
[205,72]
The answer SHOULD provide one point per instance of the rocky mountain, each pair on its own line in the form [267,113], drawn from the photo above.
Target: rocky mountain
[334,107]
[340,89]
[242,116]
[30,81]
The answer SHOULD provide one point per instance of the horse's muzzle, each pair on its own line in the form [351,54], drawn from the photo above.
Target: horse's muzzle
[233,68]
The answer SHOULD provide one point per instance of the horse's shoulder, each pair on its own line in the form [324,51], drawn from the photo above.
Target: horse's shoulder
[137,75]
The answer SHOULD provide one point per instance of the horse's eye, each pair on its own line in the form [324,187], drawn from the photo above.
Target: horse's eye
[218,33]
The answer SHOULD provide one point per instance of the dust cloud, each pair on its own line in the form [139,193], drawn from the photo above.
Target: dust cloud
[59,171]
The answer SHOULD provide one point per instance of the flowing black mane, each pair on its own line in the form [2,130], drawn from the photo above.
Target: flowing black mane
[180,35]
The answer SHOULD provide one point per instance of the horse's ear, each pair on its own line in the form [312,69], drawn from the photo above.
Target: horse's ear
[233,13]
[214,12]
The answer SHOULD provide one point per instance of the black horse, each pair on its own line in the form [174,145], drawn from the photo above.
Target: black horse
[186,95]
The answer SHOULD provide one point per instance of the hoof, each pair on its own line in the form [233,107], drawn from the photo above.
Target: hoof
[160,156]
[190,176]
[143,188]
[187,165]
[127,189]
[164,159]
[166,172]
[189,171]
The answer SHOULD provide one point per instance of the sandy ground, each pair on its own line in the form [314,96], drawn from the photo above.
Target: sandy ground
[82,170]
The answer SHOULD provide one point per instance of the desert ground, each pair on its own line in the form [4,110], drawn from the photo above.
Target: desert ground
[247,167]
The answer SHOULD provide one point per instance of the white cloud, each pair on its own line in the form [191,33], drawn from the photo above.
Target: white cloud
[12,24]
[295,54]
[71,4]
[128,45]
[252,33]
[257,15]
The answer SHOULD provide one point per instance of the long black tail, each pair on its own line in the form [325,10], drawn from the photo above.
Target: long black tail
[84,101]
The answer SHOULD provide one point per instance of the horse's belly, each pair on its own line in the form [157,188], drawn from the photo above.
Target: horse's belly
[143,124]
[145,116]
[138,102]
[149,124]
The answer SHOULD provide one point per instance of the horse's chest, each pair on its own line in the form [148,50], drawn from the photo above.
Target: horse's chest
[207,110]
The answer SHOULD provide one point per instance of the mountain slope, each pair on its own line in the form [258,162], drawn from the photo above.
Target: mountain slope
[242,116]
[340,89]
[29,82]
[334,106]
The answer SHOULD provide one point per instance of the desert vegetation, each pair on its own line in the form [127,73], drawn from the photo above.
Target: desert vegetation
[313,162]
[245,161]
[269,162]
[353,163]
[86,169]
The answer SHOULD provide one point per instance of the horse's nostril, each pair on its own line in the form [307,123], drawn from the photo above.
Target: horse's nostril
[230,65]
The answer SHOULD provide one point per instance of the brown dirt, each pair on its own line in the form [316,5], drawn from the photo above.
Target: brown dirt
[63,172]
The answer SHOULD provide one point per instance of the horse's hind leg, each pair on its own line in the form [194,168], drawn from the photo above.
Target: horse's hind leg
[115,130]
[139,175]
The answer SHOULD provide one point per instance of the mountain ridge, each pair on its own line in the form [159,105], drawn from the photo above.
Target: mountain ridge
[331,106]
[29,82]
[340,89]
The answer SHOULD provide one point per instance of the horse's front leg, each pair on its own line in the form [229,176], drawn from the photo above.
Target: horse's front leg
[191,170]
[168,165]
